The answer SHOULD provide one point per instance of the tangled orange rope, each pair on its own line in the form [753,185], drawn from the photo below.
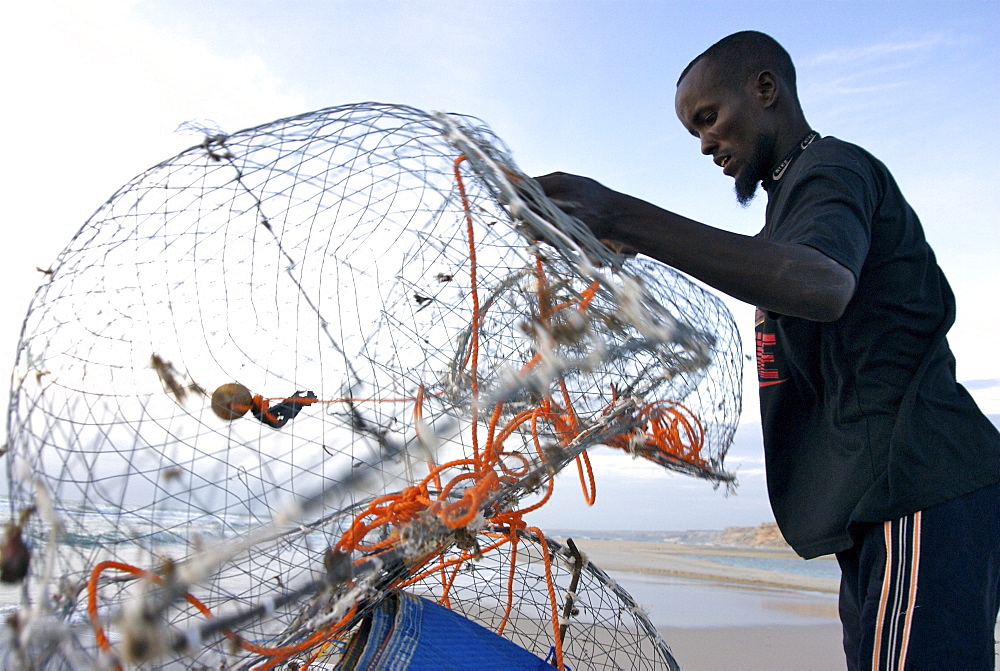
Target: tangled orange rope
[278,654]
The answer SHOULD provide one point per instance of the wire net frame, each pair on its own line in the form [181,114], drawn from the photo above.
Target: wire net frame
[346,254]
[601,625]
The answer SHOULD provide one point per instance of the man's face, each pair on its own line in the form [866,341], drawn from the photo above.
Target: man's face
[729,122]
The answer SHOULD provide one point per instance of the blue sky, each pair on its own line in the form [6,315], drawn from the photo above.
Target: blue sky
[94,92]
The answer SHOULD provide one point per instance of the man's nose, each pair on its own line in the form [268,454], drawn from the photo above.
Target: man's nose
[708,144]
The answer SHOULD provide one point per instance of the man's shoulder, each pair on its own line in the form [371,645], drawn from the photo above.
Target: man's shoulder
[834,151]
[829,155]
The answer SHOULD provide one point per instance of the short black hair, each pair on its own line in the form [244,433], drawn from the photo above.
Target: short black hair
[742,55]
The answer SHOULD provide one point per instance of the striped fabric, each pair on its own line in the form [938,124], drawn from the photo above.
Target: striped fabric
[899,592]
[923,591]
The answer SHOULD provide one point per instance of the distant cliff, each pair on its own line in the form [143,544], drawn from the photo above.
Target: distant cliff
[765,535]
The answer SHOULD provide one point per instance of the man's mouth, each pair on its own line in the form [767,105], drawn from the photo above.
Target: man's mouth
[724,162]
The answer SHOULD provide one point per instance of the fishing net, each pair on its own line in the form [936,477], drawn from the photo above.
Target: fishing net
[545,597]
[275,376]
[508,589]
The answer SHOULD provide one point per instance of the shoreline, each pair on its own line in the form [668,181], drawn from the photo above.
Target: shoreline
[715,616]
[688,561]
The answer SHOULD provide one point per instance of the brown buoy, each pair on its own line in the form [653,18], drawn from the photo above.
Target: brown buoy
[231,401]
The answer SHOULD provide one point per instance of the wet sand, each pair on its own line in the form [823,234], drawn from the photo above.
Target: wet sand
[814,647]
[694,561]
[716,617]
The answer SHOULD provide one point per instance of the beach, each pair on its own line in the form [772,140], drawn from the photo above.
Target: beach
[721,608]
[715,614]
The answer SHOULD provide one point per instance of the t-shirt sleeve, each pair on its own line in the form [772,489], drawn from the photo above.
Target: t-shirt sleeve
[831,209]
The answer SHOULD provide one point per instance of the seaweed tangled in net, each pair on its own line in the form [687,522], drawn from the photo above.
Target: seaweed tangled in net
[275,375]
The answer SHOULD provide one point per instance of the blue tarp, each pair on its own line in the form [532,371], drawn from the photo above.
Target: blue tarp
[409,632]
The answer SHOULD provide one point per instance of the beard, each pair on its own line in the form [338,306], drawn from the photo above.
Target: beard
[753,172]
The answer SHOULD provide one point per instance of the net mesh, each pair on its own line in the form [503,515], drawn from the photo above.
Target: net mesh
[601,625]
[328,340]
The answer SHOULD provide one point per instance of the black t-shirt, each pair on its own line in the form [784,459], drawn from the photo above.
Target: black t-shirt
[863,419]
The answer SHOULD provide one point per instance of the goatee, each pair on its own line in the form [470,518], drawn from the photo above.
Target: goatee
[752,173]
[746,189]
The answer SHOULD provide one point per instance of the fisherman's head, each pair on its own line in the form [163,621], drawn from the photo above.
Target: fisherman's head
[739,98]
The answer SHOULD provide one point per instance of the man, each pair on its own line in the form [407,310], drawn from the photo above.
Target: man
[873,450]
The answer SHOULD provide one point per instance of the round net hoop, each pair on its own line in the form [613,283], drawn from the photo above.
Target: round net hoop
[255,337]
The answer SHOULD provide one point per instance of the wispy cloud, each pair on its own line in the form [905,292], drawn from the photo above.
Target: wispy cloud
[842,88]
[877,51]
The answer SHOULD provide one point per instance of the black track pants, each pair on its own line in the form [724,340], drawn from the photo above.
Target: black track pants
[922,592]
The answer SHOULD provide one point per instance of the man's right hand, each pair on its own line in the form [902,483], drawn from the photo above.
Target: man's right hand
[588,200]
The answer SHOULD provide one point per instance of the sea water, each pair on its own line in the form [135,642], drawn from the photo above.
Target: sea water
[823,567]
[682,602]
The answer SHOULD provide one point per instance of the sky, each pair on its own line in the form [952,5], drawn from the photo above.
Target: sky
[94,93]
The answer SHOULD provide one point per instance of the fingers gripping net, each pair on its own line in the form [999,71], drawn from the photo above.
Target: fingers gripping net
[329,336]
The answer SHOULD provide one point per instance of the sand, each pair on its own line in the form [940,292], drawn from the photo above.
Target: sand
[762,619]
[815,647]
[686,561]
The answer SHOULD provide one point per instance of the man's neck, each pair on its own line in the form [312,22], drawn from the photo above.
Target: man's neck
[791,134]
[778,169]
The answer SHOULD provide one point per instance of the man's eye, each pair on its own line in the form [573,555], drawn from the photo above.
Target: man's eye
[710,118]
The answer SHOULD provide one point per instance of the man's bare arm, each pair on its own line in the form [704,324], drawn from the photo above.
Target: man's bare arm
[789,279]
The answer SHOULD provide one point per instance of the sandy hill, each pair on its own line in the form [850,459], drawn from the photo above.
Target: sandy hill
[764,535]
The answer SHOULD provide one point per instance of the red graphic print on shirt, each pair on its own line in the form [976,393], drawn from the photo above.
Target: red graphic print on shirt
[767,371]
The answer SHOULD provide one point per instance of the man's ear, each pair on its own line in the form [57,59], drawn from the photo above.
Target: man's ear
[766,87]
